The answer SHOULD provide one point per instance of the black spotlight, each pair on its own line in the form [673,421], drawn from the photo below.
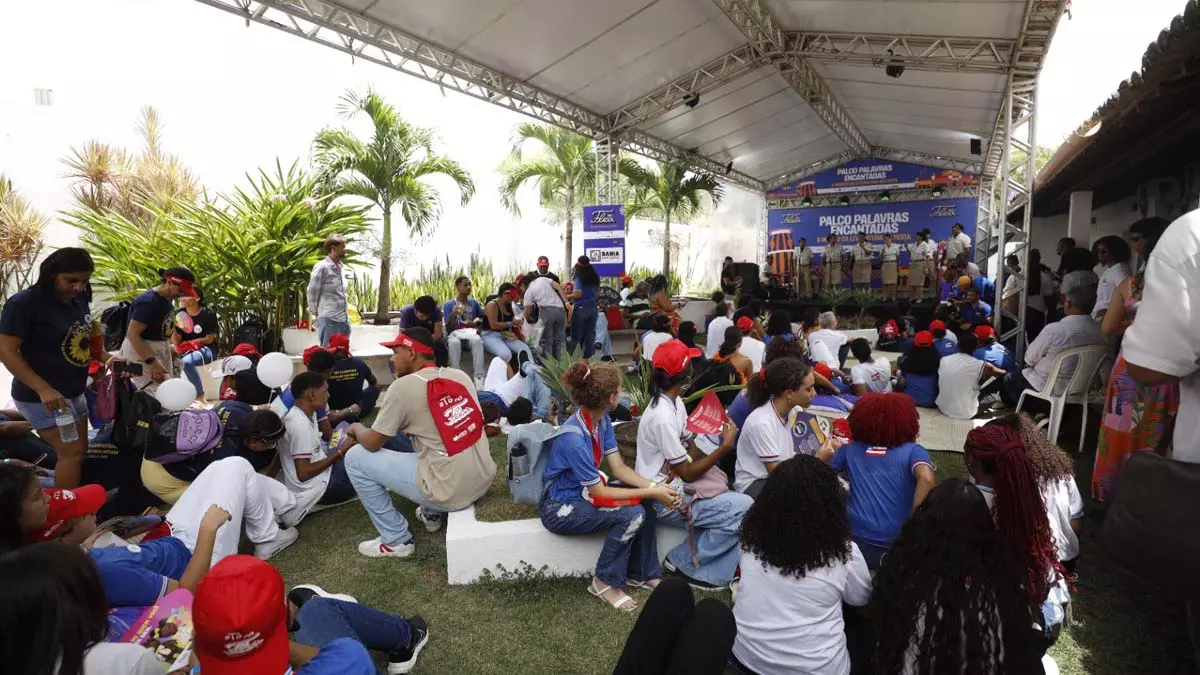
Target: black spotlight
[729,167]
[938,191]
[895,67]
[885,196]
[844,201]
[694,100]
[807,201]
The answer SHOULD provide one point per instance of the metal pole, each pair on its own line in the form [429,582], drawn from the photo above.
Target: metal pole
[1005,178]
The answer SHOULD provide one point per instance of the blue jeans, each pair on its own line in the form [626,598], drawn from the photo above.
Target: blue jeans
[373,474]
[326,328]
[539,394]
[339,488]
[717,522]
[323,620]
[630,546]
[583,329]
[40,418]
[496,343]
[191,363]
[602,337]
[400,443]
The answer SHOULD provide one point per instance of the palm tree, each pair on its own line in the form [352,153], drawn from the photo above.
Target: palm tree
[21,239]
[670,193]
[563,168]
[389,170]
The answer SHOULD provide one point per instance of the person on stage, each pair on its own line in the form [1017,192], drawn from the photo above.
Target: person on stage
[959,245]
[803,255]
[831,263]
[922,270]
[889,266]
[863,255]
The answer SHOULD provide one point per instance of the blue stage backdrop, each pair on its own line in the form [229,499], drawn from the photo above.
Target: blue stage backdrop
[604,238]
[901,220]
[872,175]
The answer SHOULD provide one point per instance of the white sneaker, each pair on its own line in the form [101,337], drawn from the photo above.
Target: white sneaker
[302,593]
[433,522]
[286,537]
[375,548]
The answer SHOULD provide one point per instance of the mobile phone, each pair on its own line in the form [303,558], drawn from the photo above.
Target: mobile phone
[126,368]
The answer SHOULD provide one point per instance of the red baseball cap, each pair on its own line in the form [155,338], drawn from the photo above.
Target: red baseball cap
[937,325]
[984,332]
[67,504]
[923,339]
[246,349]
[338,341]
[673,356]
[823,369]
[745,323]
[240,618]
[543,260]
[408,342]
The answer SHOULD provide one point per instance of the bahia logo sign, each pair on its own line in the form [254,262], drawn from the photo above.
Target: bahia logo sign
[944,211]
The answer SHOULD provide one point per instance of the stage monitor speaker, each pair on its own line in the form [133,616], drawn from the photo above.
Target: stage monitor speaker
[748,271]
[976,146]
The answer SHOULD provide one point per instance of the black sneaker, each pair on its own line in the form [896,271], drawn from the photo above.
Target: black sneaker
[696,584]
[522,359]
[402,661]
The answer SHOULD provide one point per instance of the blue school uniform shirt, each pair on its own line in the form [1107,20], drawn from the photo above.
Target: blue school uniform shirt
[945,346]
[976,313]
[985,287]
[587,294]
[882,484]
[343,656]
[55,341]
[997,355]
[156,312]
[572,463]
[922,389]
[137,575]
[739,410]
[346,382]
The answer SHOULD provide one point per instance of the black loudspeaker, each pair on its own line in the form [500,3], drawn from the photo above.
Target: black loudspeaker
[976,146]
[749,273]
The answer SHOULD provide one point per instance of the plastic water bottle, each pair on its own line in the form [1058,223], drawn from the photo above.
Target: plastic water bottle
[67,430]
[520,460]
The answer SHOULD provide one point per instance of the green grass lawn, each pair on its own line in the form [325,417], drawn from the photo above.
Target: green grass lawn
[553,626]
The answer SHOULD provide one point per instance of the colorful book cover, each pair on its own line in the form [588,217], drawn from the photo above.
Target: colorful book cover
[129,528]
[809,431]
[166,629]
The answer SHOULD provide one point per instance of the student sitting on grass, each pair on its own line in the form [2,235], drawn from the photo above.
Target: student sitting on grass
[765,440]
[948,598]
[944,341]
[890,474]
[799,568]
[579,501]
[960,380]
[870,375]
[667,453]
[991,350]
[919,370]
[351,382]
[312,470]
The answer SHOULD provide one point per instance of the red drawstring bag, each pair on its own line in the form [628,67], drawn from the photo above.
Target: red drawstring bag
[456,415]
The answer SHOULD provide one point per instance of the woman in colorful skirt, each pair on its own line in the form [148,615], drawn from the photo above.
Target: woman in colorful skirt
[1136,418]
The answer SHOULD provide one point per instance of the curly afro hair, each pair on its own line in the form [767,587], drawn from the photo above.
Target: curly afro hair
[885,420]
[798,523]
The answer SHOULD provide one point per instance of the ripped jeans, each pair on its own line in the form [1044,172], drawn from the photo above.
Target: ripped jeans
[630,544]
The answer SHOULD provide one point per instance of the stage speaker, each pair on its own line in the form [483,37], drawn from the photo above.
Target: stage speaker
[748,271]
[976,146]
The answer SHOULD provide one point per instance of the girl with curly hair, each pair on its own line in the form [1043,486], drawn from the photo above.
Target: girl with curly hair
[765,439]
[798,567]
[1002,470]
[948,598]
[890,474]
[574,502]
[1055,473]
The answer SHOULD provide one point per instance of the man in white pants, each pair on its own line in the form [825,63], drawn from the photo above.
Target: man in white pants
[463,316]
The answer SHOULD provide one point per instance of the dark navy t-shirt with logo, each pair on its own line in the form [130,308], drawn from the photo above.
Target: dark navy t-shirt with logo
[156,312]
[55,340]
[346,382]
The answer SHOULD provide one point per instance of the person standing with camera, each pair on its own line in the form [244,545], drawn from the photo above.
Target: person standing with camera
[151,323]
[47,338]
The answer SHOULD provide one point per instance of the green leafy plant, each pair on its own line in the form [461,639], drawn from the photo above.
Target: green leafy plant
[866,299]
[552,370]
[21,239]
[834,297]
[252,251]
[389,170]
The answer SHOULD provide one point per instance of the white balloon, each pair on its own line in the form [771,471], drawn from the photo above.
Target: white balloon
[275,369]
[176,394]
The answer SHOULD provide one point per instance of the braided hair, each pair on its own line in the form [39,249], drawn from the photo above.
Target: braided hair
[798,523]
[1020,512]
[948,598]
[1050,462]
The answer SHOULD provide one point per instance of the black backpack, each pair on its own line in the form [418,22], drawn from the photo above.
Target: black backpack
[135,413]
[254,331]
[115,321]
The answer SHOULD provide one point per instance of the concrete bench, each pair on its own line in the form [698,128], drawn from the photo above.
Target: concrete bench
[473,546]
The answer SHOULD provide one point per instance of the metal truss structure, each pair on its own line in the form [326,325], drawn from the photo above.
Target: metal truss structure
[856,199]
[608,177]
[919,52]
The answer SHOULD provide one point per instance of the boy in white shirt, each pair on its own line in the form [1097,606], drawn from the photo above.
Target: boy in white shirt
[870,375]
[959,378]
[316,478]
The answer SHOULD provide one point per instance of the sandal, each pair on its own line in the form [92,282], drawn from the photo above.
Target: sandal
[648,585]
[623,602]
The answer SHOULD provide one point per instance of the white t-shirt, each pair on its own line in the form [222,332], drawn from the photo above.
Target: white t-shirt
[507,388]
[105,658]
[819,352]
[831,339]
[716,335]
[876,375]
[1109,281]
[957,245]
[302,440]
[958,386]
[764,438]
[791,625]
[1165,336]
[541,293]
[889,253]
[951,336]
[660,438]
[753,349]
[1063,504]
[651,343]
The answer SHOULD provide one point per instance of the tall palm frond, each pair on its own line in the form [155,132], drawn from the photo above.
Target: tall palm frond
[671,193]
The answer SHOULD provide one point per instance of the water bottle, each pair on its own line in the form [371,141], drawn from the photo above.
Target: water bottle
[67,430]
[520,460]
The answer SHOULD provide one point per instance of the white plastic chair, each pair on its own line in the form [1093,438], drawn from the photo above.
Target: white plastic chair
[1088,360]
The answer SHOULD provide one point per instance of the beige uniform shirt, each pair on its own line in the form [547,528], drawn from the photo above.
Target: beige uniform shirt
[449,482]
